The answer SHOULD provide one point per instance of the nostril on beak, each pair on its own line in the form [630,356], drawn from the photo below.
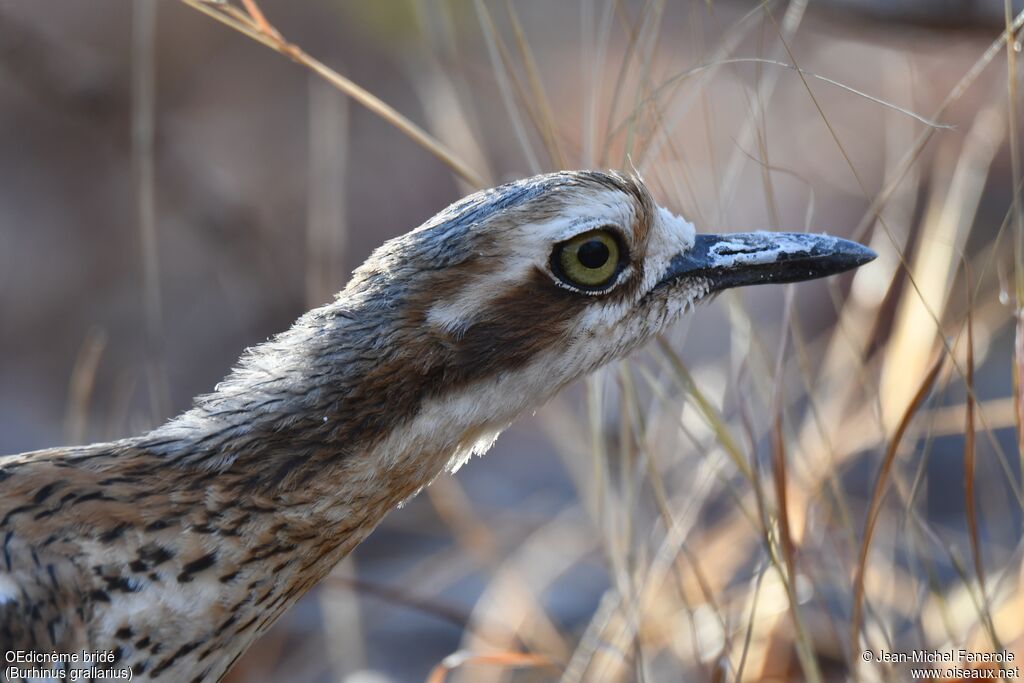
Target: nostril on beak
[730,250]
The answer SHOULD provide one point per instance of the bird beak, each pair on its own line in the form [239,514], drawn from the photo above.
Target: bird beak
[756,258]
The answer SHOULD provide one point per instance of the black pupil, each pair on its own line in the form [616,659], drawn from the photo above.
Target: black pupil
[593,254]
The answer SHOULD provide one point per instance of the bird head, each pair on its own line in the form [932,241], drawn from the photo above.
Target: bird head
[504,297]
[554,275]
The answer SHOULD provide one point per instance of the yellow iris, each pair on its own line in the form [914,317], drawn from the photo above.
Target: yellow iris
[590,259]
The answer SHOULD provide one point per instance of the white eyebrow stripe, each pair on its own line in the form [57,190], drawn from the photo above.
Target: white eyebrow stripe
[610,207]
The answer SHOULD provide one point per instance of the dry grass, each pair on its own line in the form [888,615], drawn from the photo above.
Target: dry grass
[740,534]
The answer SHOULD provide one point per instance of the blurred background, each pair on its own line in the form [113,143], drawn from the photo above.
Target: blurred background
[172,191]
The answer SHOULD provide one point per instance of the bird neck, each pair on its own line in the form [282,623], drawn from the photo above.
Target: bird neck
[251,497]
[209,527]
[335,421]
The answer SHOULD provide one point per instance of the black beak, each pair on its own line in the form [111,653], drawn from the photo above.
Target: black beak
[757,258]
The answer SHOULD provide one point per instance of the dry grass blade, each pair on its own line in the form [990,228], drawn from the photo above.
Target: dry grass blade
[144,19]
[668,84]
[969,444]
[254,25]
[1011,86]
[779,475]
[750,621]
[878,494]
[1018,380]
[707,410]
[82,383]
[504,659]
[804,645]
[506,80]
[779,448]
[637,137]
[620,79]
[397,596]
[256,14]
[546,119]
[1011,102]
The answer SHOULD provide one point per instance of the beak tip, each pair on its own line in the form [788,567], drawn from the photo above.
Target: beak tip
[856,254]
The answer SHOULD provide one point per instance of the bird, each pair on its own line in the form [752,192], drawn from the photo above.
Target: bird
[173,551]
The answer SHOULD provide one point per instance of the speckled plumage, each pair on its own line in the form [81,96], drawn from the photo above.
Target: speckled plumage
[178,548]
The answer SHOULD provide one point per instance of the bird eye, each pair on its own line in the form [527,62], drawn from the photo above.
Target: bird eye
[590,259]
